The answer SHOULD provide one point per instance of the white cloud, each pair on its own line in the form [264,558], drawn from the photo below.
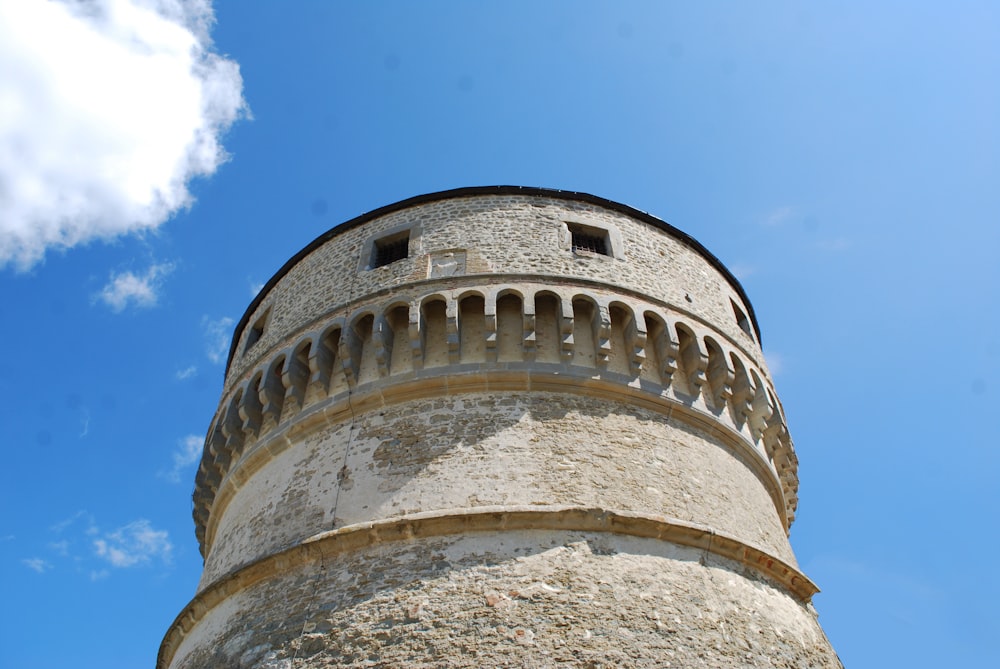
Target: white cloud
[36,564]
[186,373]
[141,290]
[187,453]
[217,335]
[255,288]
[134,544]
[108,108]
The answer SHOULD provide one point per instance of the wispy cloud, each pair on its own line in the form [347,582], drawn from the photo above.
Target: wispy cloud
[187,453]
[36,564]
[80,517]
[186,373]
[217,335]
[255,288]
[85,427]
[60,547]
[110,108]
[837,244]
[129,288]
[134,544]
[779,216]
[742,271]
[775,362]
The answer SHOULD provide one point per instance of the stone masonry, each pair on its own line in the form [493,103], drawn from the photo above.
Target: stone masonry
[504,427]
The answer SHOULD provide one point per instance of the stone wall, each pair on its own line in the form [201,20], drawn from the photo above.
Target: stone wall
[494,450]
[510,599]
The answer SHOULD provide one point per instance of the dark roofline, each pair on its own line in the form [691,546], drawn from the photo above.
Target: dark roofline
[472,191]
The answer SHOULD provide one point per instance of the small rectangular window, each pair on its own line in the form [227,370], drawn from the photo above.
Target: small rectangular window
[741,318]
[592,240]
[256,331]
[390,249]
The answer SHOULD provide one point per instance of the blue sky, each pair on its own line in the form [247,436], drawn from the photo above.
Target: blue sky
[843,159]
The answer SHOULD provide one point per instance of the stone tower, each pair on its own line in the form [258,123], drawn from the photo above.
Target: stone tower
[504,427]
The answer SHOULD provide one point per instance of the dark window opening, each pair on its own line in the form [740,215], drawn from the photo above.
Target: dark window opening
[741,319]
[592,240]
[390,249]
[256,331]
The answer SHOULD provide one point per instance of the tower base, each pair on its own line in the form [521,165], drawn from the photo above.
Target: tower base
[521,598]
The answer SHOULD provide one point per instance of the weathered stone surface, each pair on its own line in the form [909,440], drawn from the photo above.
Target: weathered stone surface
[499,451]
[513,599]
[485,450]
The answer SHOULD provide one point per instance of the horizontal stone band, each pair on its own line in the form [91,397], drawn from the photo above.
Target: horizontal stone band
[483,519]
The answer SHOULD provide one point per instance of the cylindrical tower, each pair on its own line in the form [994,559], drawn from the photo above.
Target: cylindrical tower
[498,426]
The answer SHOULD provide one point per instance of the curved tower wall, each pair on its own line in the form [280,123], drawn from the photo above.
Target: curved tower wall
[503,425]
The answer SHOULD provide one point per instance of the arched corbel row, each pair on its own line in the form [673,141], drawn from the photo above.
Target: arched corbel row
[599,330]
[671,357]
[310,367]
